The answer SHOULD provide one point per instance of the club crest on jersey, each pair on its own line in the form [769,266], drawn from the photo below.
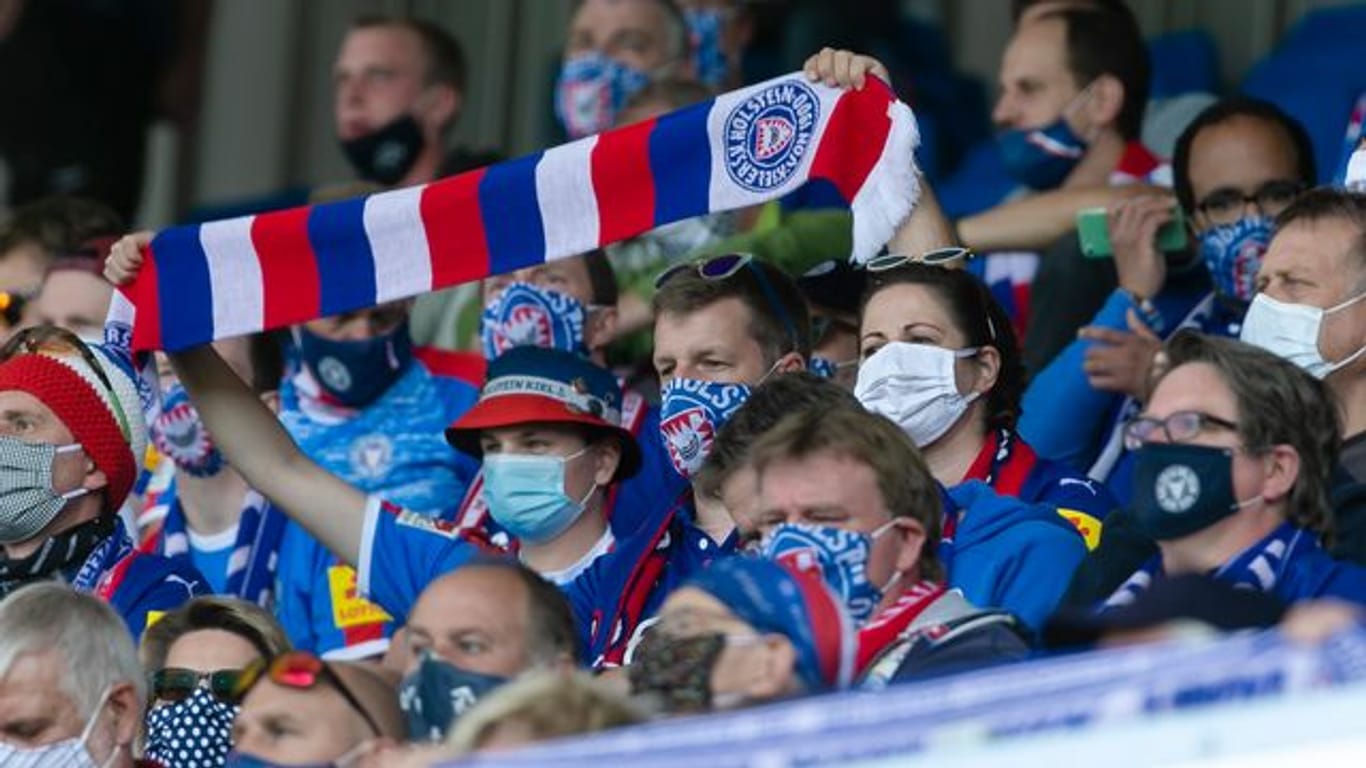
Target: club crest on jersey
[372,456]
[768,135]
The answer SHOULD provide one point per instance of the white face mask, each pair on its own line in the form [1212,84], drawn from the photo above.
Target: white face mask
[1291,332]
[69,753]
[914,386]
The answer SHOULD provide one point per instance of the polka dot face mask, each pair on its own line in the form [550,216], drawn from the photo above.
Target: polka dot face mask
[193,733]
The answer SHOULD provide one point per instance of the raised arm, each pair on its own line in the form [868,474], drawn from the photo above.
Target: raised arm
[1036,222]
[926,228]
[252,439]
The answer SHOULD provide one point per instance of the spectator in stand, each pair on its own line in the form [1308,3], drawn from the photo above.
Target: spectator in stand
[473,630]
[745,631]
[570,305]
[1311,310]
[1237,165]
[1233,455]
[300,710]
[194,656]
[74,294]
[34,236]
[73,437]
[1070,130]
[39,232]
[360,406]
[209,517]
[941,361]
[727,474]
[71,689]
[614,49]
[872,538]
[399,88]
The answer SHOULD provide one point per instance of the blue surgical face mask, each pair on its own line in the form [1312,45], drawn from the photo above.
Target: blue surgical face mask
[1180,489]
[437,693]
[525,495]
[1233,253]
[526,315]
[706,25]
[691,412]
[592,90]
[838,556]
[356,373]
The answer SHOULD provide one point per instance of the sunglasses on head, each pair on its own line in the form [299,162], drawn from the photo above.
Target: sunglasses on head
[177,684]
[300,671]
[937,257]
[726,266]
[52,341]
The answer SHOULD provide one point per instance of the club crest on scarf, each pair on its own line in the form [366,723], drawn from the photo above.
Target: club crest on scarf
[691,412]
[526,315]
[768,135]
[836,556]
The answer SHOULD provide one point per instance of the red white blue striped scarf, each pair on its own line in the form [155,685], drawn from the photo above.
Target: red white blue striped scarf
[229,278]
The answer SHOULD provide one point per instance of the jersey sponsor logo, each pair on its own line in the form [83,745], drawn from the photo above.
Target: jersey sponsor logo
[445,528]
[1088,526]
[349,609]
[769,135]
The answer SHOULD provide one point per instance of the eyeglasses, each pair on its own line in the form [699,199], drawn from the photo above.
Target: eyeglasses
[1226,206]
[1179,427]
[52,341]
[300,671]
[726,266]
[934,258]
[177,684]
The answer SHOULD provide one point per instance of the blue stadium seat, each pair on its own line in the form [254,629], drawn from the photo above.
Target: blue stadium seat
[1183,62]
[1317,87]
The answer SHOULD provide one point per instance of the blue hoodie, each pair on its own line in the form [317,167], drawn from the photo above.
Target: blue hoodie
[1004,553]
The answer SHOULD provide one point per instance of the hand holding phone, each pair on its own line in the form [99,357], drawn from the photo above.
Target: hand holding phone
[1093,232]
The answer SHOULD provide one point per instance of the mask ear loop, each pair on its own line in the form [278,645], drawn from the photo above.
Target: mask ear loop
[896,573]
[89,728]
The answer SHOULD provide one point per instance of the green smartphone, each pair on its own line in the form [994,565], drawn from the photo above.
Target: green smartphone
[1093,232]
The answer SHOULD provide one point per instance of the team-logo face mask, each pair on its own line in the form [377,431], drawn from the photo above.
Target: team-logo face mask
[837,556]
[592,89]
[691,413]
[179,434]
[1233,253]
[525,315]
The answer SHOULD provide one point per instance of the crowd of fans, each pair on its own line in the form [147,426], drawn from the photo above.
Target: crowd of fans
[708,467]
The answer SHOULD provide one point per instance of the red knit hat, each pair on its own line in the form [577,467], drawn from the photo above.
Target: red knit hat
[106,420]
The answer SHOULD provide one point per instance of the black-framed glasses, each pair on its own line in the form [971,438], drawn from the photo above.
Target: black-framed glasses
[1179,427]
[300,671]
[726,266]
[934,258]
[177,684]
[51,341]
[1225,206]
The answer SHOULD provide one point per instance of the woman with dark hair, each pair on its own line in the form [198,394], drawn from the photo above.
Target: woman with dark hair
[940,358]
